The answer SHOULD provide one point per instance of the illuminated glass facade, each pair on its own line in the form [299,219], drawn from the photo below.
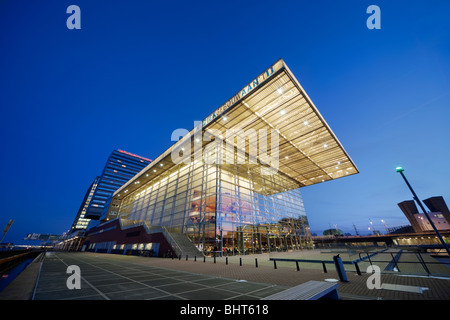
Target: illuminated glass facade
[222,210]
[231,184]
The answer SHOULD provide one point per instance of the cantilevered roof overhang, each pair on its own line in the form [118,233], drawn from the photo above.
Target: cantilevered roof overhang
[309,152]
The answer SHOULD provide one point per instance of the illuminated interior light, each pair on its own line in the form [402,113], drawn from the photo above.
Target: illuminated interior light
[283,112]
[173,174]
[225,118]
[305,123]
[325,145]
[154,170]
[280,90]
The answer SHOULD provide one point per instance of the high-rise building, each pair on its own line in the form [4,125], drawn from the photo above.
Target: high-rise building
[120,167]
[81,222]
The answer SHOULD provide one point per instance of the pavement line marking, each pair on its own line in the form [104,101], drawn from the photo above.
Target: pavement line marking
[101,293]
[164,276]
[39,274]
[219,286]
[165,292]
[237,294]
[81,297]
[191,273]
[250,293]
[204,285]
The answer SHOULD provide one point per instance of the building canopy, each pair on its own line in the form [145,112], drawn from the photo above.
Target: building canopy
[307,150]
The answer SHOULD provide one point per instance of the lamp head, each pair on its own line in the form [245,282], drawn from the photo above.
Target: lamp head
[399,169]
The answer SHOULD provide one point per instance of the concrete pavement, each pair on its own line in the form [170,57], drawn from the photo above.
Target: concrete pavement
[120,277]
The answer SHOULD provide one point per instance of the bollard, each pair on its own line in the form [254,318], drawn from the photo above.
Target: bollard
[274,264]
[186,257]
[179,257]
[214,258]
[226,260]
[340,268]
[240,261]
[256,262]
[195,258]
[204,258]
[296,263]
[357,269]
[324,267]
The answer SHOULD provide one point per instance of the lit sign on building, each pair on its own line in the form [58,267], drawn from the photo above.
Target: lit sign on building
[242,93]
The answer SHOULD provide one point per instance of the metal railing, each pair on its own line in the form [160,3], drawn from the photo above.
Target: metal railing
[405,262]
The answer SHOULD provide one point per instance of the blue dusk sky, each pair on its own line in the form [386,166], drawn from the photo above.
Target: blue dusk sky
[137,70]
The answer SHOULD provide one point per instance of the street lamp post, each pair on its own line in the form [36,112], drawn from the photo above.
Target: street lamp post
[400,170]
[385,226]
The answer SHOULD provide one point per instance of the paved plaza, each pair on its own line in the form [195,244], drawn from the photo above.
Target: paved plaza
[122,277]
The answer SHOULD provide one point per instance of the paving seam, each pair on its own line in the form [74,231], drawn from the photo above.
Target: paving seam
[86,297]
[250,293]
[268,285]
[38,276]
[226,290]
[201,274]
[200,284]
[101,293]
[166,277]
[165,292]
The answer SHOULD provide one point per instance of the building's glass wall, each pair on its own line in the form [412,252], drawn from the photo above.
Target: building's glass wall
[230,209]
[251,221]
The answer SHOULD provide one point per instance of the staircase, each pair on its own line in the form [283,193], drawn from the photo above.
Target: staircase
[181,244]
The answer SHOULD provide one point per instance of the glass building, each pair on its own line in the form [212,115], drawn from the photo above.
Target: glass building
[120,167]
[81,222]
[232,184]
